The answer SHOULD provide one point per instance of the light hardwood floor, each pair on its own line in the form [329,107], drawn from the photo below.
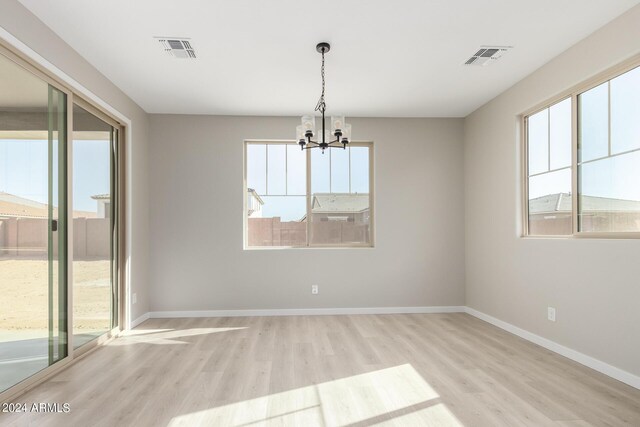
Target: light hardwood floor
[405,370]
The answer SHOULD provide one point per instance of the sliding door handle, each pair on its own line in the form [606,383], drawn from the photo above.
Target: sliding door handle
[54,225]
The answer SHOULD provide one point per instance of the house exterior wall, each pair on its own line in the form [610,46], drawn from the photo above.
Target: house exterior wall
[254,207]
[104,209]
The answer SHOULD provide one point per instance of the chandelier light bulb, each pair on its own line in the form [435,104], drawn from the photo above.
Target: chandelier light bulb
[309,124]
[337,124]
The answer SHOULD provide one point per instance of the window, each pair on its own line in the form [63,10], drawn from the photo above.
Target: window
[609,156]
[605,158]
[296,198]
[549,170]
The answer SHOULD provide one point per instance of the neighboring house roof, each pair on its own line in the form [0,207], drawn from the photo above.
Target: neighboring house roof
[255,194]
[11,198]
[340,203]
[16,206]
[101,197]
[562,202]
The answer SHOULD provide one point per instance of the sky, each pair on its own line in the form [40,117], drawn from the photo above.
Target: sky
[603,173]
[24,170]
[283,187]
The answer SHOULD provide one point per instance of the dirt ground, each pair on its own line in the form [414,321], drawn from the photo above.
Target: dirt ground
[24,297]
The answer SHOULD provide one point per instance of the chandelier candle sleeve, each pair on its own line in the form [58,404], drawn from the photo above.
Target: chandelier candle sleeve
[346,133]
[340,130]
[309,125]
[337,125]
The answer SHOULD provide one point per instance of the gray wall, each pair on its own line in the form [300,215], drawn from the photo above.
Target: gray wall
[24,26]
[593,284]
[197,259]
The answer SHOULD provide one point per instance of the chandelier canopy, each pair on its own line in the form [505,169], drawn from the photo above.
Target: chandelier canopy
[340,130]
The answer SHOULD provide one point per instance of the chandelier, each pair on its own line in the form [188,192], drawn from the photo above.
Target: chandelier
[340,130]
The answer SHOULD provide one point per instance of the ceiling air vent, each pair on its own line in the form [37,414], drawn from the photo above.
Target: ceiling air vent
[176,47]
[487,55]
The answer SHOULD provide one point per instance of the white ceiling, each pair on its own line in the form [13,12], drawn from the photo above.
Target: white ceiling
[388,58]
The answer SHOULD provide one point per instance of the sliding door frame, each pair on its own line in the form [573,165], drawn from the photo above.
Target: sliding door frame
[117,129]
[73,97]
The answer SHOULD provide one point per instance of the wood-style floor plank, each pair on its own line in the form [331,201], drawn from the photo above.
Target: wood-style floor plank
[360,370]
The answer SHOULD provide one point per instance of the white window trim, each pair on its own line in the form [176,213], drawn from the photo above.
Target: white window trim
[309,245]
[572,93]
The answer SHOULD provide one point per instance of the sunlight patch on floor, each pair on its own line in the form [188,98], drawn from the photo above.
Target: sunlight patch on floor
[373,397]
[165,336]
[133,332]
[436,415]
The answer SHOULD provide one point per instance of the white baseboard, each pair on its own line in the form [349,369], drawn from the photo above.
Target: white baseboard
[576,356]
[307,311]
[139,320]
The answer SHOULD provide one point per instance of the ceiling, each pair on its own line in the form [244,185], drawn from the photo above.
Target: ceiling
[393,58]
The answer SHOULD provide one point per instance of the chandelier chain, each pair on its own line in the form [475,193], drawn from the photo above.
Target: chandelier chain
[337,135]
[321,106]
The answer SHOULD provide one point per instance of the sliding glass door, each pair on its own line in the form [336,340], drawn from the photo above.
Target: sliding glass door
[95,296]
[59,224]
[33,229]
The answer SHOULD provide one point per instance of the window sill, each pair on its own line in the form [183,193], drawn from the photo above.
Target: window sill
[588,235]
[268,248]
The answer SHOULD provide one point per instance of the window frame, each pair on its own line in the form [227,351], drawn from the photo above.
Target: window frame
[308,195]
[572,93]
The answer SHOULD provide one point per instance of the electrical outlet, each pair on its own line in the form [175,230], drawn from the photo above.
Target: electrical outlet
[314,289]
[134,298]
[551,314]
